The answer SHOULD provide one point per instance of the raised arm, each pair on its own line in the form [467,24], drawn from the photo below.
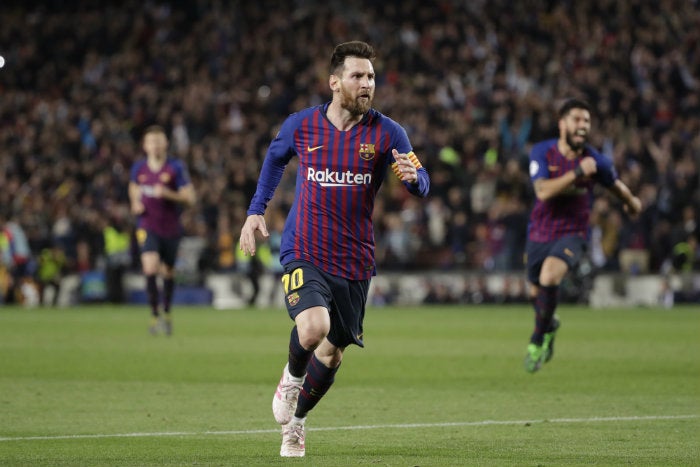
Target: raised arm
[547,188]
[633,205]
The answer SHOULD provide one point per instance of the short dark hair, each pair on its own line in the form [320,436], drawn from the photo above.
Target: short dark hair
[350,49]
[573,104]
[154,129]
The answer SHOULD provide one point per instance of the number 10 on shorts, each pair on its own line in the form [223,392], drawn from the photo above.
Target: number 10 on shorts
[293,280]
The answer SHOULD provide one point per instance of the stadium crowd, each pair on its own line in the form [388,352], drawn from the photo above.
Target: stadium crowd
[475,83]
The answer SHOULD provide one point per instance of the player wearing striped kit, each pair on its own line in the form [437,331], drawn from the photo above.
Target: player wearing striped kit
[563,172]
[344,149]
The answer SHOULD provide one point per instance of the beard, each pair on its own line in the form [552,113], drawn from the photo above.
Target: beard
[574,145]
[355,106]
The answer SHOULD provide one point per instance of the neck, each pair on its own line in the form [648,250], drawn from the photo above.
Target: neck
[155,162]
[341,118]
[567,151]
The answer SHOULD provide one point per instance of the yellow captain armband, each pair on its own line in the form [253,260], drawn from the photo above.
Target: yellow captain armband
[411,157]
[414,160]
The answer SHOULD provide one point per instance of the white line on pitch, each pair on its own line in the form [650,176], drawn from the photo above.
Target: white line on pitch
[358,427]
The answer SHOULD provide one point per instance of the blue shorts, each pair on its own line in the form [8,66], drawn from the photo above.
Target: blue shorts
[569,249]
[166,247]
[306,286]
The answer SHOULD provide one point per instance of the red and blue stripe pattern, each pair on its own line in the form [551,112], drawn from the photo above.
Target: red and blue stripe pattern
[569,212]
[339,174]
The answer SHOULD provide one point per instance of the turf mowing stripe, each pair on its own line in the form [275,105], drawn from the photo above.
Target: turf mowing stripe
[359,427]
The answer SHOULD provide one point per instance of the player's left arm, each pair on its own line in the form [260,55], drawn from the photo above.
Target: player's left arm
[607,175]
[407,167]
[411,172]
[185,193]
[632,204]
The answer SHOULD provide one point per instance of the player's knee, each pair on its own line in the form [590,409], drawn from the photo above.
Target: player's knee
[553,271]
[312,334]
[550,279]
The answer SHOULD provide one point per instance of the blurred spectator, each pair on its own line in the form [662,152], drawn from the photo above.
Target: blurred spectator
[52,263]
[117,253]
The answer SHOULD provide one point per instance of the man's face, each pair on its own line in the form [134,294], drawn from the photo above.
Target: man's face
[356,85]
[155,144]
[575,127]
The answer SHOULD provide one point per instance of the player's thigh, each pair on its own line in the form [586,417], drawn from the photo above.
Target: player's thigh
[553,271]
[313,325]
[563,256]
[348,311]
[535,254]
[307,297]
[149,245]
[150,262]
[168,253]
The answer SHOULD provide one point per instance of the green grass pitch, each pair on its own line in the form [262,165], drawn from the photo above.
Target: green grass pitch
[434,386]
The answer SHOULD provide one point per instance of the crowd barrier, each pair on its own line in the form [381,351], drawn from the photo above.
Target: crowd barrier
[234,290]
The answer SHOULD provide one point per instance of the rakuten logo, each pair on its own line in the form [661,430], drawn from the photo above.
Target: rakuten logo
[147,190]
[330,178]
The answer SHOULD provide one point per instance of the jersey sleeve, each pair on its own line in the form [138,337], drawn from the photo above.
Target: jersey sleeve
[538,162]
[401,143]
[134,171]
[605,170]
[182,175]
[279,153]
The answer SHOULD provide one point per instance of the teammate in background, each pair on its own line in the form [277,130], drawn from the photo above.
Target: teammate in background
[344,148]
[16,256]
[159,188]
[563,172]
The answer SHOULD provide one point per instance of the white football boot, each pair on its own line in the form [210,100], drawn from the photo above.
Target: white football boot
[293,435]
[284,402]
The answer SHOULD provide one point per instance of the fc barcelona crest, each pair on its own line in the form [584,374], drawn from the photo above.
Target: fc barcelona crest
[164,177]
[293,298]
[367,151]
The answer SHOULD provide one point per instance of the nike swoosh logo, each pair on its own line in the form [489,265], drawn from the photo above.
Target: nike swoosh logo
[552,168]
[312,149]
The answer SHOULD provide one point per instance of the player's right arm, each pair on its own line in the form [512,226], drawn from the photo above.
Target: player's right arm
[135,199]
[137,207]
[547,188]
[276,159]
[253,223]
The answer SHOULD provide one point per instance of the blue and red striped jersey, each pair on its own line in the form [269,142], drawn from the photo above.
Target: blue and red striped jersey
[339,173]
[569,212]
[160,216]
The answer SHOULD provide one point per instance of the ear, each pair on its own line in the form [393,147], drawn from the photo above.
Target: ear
[334,83]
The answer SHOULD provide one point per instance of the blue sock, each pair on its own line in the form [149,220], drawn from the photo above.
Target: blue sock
[152,293]
[319,379]
[298,355]
[168,289]
[545,304]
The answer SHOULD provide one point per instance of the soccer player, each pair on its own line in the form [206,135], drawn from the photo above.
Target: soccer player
[159,188]
[344,148]
[563,171]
